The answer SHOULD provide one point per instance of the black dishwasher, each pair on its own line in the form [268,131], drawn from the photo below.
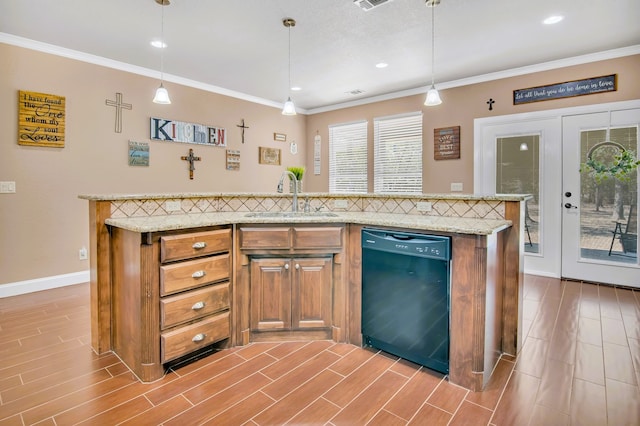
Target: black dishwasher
[405,295]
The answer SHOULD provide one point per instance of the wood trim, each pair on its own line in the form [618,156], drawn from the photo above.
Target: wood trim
[513,256]
[100,276]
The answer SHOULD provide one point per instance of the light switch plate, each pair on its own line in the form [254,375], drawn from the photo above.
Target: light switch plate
[340,204]
[172,206]
[423,206]
[7,187]
[456,186]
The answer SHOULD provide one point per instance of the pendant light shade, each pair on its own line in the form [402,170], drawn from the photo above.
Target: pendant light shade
[162,96]
[289,107]
[433,97]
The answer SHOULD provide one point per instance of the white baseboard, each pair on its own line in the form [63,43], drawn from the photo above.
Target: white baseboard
[541,273]
[46,283]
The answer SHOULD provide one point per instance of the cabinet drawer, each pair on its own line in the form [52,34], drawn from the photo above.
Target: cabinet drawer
[265,238]
[193,304]
[176,247]
[317,237]
[193,273]
[189,338]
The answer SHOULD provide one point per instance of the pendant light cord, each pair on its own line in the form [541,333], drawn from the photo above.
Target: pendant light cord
[433,44]
[162,43]
[289,89]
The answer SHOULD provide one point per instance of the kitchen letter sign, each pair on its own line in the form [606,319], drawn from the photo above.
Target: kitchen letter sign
[41,119]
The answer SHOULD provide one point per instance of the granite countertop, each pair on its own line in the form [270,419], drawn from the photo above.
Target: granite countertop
[417,222]
[120,197]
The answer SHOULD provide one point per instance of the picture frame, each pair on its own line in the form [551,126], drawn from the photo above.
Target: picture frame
[270,156]
[280,137]
[446,143]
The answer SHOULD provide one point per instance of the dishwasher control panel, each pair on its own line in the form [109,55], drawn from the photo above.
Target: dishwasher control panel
[410,244]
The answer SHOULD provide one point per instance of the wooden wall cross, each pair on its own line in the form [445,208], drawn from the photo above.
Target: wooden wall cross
[242,127]
[119,105]
[191,158]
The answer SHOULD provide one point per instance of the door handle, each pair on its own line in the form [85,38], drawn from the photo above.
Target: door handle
[570,206]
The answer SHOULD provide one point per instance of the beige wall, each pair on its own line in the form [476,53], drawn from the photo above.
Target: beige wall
[460,106]
[44,224]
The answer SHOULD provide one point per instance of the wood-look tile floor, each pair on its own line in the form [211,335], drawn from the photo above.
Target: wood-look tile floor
[579,365]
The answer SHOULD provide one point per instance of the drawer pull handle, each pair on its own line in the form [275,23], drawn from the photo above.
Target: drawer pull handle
[198,274]
[198,337]
[199,245]
[197,306]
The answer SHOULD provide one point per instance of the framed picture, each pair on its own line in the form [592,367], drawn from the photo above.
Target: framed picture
[269,156]
[446,143]
[280,137]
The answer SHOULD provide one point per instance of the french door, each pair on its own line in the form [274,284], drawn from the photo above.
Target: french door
[575,227]
[600,215]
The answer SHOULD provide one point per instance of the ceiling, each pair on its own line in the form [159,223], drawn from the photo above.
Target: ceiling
[240,47]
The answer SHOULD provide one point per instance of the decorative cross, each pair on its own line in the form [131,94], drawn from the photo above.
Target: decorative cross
[119,105]
[491,102]
[242,126]
[191,158]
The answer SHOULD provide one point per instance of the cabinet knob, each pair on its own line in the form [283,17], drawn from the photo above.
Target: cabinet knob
[199,245]
[198,337]
[197,306]
[286,266]
[198,274]
[297,266]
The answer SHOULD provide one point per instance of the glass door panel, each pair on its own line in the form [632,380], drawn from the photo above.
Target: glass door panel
[608,211]
[518,172]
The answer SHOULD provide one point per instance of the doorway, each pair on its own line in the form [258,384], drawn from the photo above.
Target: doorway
[541,154]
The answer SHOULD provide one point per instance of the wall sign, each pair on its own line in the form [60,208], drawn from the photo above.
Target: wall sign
[138,153]
[41,119]
[589,86]
[179,131]
[446,143]
[269,156]
[233,159]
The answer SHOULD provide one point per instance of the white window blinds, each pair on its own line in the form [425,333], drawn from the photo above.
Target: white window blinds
[348,158]
[397,163]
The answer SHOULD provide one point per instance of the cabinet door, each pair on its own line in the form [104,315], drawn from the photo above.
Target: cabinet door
[270,294]
[311,293]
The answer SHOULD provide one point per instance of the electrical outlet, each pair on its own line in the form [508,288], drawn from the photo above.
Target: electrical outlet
[340,204]
[82,253]
[7,187]
[456,186]
[423,206]
[172,206]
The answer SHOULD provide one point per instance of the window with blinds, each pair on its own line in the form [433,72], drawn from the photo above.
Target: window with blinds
[348,158]
[397,163]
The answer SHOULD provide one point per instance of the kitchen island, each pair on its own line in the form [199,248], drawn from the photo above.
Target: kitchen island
[129,234]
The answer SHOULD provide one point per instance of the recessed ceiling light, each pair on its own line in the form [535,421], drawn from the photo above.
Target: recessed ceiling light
[382,65]
[158,44]
[296,88]
[554,19]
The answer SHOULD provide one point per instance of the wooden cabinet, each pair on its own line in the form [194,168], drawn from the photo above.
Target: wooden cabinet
[293,275]
[291,294]
[171,295]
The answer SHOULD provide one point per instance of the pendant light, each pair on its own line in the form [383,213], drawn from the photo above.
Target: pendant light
[162,96]
[433,97]
[289,107]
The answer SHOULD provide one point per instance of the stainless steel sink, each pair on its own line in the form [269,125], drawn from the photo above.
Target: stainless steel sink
[290,214]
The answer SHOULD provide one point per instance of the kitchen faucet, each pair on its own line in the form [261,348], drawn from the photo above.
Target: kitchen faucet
[294,207]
